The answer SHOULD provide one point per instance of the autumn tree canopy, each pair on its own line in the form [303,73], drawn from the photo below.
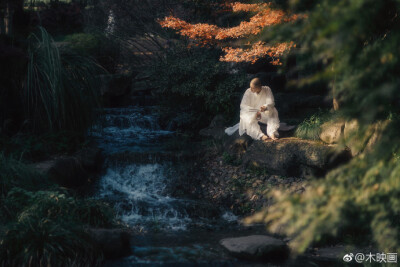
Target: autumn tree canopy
[204,34]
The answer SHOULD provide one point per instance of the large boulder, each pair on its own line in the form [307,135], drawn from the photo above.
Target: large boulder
[256,247]
[332,132]
[68,172]
[294,157]
[75,170]
[114,243]
[358,143]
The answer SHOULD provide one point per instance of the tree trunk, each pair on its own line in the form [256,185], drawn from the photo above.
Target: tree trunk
[334,102]
[8,18]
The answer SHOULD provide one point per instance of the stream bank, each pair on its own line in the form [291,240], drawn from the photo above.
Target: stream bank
[146,185]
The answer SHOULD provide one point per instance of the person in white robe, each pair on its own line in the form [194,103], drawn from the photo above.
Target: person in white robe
[258,105]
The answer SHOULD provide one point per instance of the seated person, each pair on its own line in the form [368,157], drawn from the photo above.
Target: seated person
[258,105]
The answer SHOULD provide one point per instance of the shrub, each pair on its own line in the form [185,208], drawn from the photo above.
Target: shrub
[310,128]
[37,241]
[62,90]
[95,45]
[48,227]
[57,205]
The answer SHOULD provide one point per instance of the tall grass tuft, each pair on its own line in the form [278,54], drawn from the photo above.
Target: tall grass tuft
[39,241]
[62,89]
[310,128]
[47,228]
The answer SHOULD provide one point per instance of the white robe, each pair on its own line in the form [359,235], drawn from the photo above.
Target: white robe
[248,123]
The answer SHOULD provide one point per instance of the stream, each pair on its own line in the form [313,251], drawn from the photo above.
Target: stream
[138,170]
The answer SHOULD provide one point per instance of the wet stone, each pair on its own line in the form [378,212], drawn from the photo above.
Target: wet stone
[256,247]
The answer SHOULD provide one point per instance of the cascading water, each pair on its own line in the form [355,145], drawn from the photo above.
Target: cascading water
[178,232]
[137,188]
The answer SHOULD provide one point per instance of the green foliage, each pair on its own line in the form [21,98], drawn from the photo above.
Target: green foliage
[41,224]
[43,242]
[57,205]
[194,82]
[48,227]
[62,90]
[310,128]
[13,173]
[355,44]
[358,203]
[95,45]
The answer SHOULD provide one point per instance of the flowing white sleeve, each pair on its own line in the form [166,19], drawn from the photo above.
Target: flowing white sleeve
[245,104]
[269,100]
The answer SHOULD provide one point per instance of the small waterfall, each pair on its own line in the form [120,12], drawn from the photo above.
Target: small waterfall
[137,188]
[128,129]
[137,191]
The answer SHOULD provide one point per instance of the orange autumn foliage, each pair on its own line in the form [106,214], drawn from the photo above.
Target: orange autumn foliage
[205,34]
[256,51]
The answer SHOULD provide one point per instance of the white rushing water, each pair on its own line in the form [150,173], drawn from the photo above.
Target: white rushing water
[137,186]
[138,190]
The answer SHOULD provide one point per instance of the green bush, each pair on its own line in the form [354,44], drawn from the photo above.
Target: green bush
[42,224]
[48,227]
[310,128]
[56,205]
[39,241]
[96,45]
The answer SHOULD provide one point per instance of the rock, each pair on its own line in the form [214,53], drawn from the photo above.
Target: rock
[73,171]
[362,143]
[68,172]
[114,243]
[236,145]
[91,158]
[332,132]
[216,129]
[377,129]
[351,130]
[65,171]
[256,247]
[294,157]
